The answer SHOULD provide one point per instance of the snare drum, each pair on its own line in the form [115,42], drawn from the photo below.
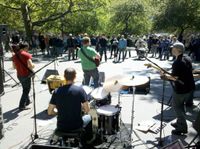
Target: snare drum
[55,81]
[101,96]
[108,119]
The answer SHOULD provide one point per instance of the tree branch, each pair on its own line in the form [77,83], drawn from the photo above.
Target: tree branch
[9,7]
[54,16]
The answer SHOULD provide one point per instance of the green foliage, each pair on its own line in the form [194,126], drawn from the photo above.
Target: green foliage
[131,17]
[178,14]
[101,16]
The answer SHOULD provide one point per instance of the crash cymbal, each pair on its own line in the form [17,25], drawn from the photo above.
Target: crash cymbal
[99,93]
[112,84]
[134,80]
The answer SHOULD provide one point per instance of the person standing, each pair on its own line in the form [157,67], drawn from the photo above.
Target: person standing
[89,68]
[103,41]
[184,86]
[122,44]
[22,62]
[69,101]
[71,47]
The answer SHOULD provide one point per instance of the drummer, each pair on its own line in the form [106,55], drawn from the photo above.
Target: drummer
[69,101]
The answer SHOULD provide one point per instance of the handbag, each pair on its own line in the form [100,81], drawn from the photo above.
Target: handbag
[96,60]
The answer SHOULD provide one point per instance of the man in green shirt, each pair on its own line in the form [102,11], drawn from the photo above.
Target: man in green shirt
[89,67]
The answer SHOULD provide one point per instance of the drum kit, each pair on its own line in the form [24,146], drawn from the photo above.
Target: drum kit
[105,117]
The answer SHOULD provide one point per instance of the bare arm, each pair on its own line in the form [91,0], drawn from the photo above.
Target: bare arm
[30,64]
[51,109]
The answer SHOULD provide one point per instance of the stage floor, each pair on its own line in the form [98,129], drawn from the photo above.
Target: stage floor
[19,126]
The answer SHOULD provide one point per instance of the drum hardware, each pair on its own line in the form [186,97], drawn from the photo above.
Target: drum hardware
[112,84]
[133,81]
[101,96]
[108,118]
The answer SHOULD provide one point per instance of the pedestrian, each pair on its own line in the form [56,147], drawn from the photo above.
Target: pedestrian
[122,44]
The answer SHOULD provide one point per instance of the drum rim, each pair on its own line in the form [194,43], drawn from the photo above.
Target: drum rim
[112,114]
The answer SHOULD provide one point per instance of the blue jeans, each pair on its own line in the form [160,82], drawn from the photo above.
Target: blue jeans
[87,125]
[26,87]
[94,73]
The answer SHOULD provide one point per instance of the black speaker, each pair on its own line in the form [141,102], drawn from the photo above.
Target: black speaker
[38,146]
[48,73]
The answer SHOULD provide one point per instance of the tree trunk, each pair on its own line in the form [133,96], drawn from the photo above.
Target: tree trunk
[27,21]
[180,36]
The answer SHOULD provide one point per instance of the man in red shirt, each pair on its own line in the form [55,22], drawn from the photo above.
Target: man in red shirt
[23,64]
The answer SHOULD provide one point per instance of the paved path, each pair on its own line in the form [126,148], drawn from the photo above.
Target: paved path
[19,126]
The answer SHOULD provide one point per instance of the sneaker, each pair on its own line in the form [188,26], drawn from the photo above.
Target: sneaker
[28,103]
[179,132]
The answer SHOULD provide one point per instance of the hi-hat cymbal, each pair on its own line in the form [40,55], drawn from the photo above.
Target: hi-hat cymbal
[112,84]
[134,80]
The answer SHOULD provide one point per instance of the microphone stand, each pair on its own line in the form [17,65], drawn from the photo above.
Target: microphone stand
[35,136]
[160,142]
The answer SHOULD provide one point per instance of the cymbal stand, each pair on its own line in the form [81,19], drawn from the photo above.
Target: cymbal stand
[132,119]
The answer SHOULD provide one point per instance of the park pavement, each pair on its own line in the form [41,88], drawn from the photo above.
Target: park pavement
[21,130]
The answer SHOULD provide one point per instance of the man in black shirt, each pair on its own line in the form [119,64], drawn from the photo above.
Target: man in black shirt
[184,86]
[70,100]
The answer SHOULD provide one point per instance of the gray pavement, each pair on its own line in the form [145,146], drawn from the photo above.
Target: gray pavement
[20,127]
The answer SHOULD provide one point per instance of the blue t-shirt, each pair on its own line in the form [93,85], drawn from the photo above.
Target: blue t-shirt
[68,101]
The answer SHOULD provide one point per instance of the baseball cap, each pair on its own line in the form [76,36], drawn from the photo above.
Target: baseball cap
[179,45]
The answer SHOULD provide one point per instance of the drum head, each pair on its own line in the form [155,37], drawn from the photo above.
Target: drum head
[99,93]
[107,110]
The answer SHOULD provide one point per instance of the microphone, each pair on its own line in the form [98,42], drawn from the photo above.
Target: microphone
[115,82]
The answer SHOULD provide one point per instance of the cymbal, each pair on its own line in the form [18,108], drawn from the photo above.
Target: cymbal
[99,93]
[112,84]
[134,80]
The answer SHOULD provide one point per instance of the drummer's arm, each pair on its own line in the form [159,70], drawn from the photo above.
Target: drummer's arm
[86,107]
[51,110]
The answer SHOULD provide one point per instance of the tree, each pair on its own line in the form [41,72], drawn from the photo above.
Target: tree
[40,12]
[178,15]
[131,17]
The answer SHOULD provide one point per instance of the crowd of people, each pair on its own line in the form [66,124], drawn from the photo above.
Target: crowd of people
[118,46]
[159,45]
